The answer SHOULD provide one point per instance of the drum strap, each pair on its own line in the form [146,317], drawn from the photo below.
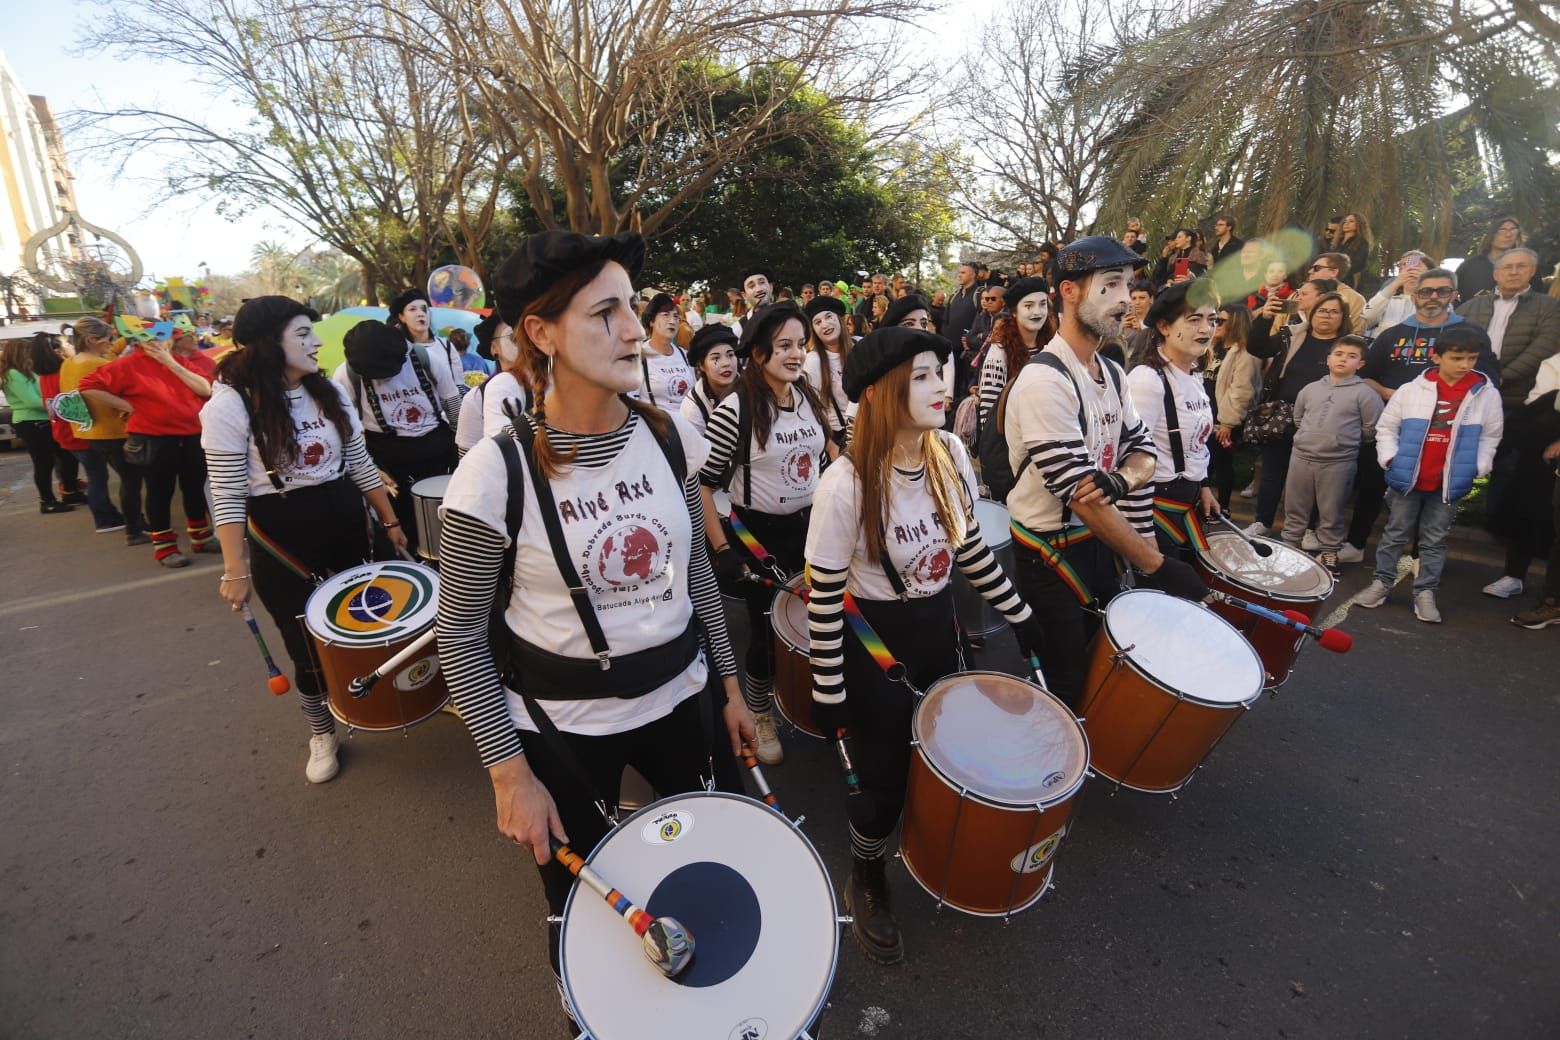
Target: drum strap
[1178,520]
[873,644]
[1050,549]
[1173,426]
[751,543]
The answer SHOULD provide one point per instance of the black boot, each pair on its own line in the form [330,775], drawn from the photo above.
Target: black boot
[873,924]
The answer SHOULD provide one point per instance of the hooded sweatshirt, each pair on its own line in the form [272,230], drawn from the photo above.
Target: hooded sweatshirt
[1333,418]
[1405,351]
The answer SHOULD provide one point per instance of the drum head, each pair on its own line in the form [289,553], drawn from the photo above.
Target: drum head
[788,615]
[1287,574]
[751,891]
[1002,738]
[374,604]
[1184,647]
[431,487]
[993,519]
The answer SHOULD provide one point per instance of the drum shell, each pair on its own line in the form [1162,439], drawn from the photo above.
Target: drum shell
[1277,645]
[978,618]
[1143,735]
[793,665]
[387,706]
[427,497]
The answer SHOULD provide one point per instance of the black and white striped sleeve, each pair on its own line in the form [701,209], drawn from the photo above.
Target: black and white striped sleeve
[1043,409]
[225,437]
[978,564]
[722,433]
[703,590]
[360,467]
[1136,439]
[228,472]
[826,628]
[993,378]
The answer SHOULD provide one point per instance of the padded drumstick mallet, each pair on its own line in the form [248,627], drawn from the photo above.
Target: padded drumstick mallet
[1257,547]
[1334,639]
[277,682]
[667,943]
[750,761]
[361,686]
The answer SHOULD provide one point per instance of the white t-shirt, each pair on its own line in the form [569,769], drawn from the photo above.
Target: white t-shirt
[225,427]
[785,470]
[406,408]
[501,389]
[837,408]
[1194,412]
[690,408]
[918,547]
[629,536]
[665,379]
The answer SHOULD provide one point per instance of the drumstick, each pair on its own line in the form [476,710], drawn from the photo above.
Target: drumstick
[1334,639]
[802,593]
[360,686]
[667,943]
[750,760]
[852,781]
[1257,547]
[277,682]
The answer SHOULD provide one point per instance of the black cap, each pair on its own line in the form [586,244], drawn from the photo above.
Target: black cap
[751,269]
[404,297]
[905,305]
[1026,286]
[484,332]
[707,339]
[547,256]
[880,352]
[770,316]
[374,350]
[1083,257]
[818,304]
[659,302]
[264,316]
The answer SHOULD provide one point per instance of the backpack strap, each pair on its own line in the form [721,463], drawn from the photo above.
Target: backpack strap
[424,380]
[644,368]
[1173,425]
[374,404]
[254,431]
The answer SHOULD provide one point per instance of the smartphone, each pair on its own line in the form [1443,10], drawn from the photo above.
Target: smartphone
[1183,267]
[1291,306]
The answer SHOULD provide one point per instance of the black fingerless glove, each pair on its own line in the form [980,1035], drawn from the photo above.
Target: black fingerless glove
[1113,485]
[1176,578]
[1030,636]
[830,718]
[729,568]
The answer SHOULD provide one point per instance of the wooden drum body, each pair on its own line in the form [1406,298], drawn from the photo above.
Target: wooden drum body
[793,665]
[1166,680]
[1286,580]
[998,762]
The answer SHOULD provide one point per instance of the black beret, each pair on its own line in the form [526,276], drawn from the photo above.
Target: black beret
[1095,253]
[484,332]
[751,269]
[1178,299]
[707,339]
[761,323]
[818,304]
[404,297]
[880,352]
[659,302]
[263,316]
[374,350]
[546,257]
[1025,286]
[905,305]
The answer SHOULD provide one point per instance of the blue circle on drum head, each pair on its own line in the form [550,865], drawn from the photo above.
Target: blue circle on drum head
[720,910]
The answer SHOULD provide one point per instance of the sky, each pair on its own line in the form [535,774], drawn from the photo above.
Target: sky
[172,239]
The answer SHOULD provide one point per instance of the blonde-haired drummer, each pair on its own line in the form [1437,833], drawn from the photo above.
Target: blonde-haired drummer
[890,521]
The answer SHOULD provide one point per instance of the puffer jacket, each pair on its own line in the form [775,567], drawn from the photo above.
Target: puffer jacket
[1476,431]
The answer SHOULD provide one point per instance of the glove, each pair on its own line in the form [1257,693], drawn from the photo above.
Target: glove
[729,568]
[1178,579]
[1030,636]
[1114,485]
[831,718]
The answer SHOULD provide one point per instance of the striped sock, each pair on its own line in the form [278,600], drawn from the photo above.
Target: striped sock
[757,693]
[867,848]
[164,544]
[200,533]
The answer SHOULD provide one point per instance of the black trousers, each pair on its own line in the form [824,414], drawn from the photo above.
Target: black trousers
[177,461]
[1370,493]
[1183,492]
[47,456]
[408,460]
[785,538]
[1221,470]
[294,540]
[920,634]
[130,478]
[1068,628]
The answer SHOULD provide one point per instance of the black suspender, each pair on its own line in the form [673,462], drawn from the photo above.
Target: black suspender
[1173,425]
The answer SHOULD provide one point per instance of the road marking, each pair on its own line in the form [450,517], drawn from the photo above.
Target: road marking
[59,599]
[1405,567]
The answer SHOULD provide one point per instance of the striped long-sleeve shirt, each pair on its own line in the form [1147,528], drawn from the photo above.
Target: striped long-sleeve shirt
[471,554]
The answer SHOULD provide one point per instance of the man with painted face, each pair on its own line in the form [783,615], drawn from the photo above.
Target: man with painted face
[1084,467]
[757,282]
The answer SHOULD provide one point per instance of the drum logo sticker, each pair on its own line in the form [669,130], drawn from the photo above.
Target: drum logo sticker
[418,674]
[1052,779]
[749,1029]
[1036,857]
[667,827]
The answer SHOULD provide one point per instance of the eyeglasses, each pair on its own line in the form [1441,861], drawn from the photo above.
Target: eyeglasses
[1322,267]
[1444,292]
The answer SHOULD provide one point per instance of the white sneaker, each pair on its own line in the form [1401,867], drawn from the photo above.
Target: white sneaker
[322,759]
[1349,554]
[1259,530]
[769,750]
[1311,543]
[1425,608]
[1373,596]
[1505,588]
[1249,491]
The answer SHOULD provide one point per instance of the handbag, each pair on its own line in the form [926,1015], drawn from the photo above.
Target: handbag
[1273,418]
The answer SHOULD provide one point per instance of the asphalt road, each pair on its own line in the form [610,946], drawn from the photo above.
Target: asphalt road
[1370,853]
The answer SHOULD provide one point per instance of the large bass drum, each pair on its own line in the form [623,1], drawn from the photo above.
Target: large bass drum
[1287,579]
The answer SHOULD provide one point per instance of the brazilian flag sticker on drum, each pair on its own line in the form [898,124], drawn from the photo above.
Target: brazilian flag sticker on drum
[377,602]
[1038,855]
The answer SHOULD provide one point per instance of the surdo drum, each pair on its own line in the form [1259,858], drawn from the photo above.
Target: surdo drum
[358,619]
[1286,580]
[753,894]
[998,762]
[977,617]
[1166,680]
[427,497]
[793,665]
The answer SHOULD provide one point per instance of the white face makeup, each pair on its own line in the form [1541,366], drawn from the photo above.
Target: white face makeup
[414,317]
[916,320]
[1031,312]
[300,349]
[1189,337]
[596,339]
[664,326]
[827,326]
[927,397]
[720,366]
[504,346]
[787,350]
[1106,300]
[756,290]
